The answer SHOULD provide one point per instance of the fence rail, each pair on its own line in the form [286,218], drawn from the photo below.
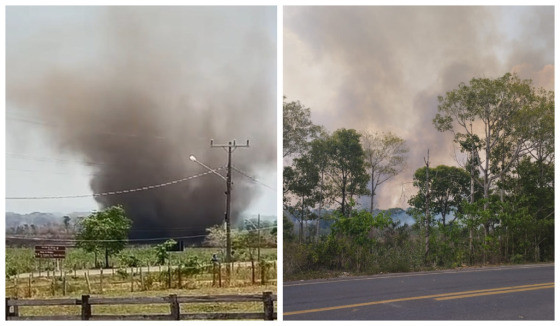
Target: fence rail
[174,301]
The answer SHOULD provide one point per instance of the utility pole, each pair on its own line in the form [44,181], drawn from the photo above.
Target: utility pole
[230,146]
[259,238]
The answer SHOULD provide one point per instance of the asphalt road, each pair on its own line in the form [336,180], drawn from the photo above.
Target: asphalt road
[522,292]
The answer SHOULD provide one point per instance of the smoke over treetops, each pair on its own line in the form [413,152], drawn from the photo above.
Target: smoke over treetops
[137,90]
[382,67]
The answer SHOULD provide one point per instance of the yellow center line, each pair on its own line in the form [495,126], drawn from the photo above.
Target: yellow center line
[432,296]
[495,292]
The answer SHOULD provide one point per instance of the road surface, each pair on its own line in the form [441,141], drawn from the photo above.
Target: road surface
[522,292]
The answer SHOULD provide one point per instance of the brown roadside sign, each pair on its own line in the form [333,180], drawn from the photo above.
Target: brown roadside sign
[50,252]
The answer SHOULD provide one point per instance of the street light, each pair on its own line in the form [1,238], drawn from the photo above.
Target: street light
[193,158]
[230,146]
[228,235]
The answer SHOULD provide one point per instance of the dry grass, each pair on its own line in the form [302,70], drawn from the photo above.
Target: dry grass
[117,286]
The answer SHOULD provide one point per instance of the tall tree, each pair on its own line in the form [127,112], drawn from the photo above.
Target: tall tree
[302,180]
[490,109]
[105,231]
[298,129]
[385,157]
[319,151]
[347,173]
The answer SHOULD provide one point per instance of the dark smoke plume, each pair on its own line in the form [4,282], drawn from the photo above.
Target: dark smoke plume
[137,90]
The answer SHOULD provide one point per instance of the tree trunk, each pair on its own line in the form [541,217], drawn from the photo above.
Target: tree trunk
[301,220]
[372,191]
[318,226]
[106,258]
[427,221]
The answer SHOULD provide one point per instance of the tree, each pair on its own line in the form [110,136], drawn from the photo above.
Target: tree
[346,172]
[217,236]
[491,111]
[66,221]
[385,157]
[162,251]
[319,151]
[302,180]
[288,229]
[105,231]
[449,187]
[298,128]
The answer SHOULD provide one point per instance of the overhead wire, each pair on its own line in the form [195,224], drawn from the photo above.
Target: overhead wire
[127,240]
[103,132]
[118,192]
[252,178]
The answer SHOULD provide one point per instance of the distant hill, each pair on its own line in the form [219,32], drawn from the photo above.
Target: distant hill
[13,220]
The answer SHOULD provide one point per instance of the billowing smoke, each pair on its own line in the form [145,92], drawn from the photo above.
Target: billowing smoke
[382,68]
[136,90]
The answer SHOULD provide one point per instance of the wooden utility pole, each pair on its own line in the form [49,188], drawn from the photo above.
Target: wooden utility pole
[230,147]
[259,238]
[427,220]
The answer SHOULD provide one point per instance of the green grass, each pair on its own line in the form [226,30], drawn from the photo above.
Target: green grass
[22,260]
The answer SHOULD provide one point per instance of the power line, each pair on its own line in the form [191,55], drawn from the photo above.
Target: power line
[118,192]
[106,240]
[114,240]
[252,178]
[56,172]
[103,132]
[49,159]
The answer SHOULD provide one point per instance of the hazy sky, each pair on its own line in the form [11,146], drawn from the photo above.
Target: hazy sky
[114,98]
[382,68]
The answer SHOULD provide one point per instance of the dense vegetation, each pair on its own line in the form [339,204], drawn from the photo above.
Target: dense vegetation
[496,206]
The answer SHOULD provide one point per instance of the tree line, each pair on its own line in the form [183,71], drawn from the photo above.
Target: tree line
[496,205]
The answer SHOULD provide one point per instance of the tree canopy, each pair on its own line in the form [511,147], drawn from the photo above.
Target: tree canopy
[105,231]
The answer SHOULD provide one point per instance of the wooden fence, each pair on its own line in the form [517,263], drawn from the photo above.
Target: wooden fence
[174,301]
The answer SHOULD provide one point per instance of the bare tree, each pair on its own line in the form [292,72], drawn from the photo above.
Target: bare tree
[386,156]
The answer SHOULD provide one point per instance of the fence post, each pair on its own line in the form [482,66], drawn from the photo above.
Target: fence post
[175,308]
[131,279]
[87,282]
[252,271]
[268,306]
[264,269]
[16,286]
[64,284]
[7,308]
[29,285]
[53,285]
[101,280]
[169,274]
[179,277]
[220,274]
[214,274]
[86,307]
[142,287]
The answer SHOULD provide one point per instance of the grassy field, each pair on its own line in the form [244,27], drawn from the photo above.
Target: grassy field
[22,260]
[124,281]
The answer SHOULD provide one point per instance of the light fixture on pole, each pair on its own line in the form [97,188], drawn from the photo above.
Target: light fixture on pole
[193,158]
[230,147]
